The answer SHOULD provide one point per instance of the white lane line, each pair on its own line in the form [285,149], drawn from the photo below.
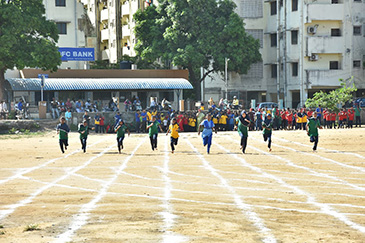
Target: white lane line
[83,215]
[24,171]
[325,208]
[362,169]
[168,214]
[11,208]
[246,208]
[290,163]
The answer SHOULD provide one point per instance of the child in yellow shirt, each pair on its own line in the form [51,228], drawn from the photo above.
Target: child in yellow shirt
[174,128]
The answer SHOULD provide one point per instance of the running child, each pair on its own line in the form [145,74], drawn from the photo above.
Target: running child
[241,127]
[83,129]
[267,125]
[153,132]
[120,129]
[62,131]
[174,128]
[207,133]
[312,130]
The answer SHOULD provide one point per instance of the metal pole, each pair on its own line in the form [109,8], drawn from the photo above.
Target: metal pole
[42,85]
[226,76]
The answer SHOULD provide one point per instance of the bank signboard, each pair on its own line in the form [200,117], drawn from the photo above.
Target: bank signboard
[77,54]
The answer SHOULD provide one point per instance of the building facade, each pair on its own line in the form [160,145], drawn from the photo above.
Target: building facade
[69,17]
[306,46]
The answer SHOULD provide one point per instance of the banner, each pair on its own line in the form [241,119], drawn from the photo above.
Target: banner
[77,54]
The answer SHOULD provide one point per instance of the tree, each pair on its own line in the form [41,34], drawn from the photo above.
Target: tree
[27,39]
[195,33]
[334,98]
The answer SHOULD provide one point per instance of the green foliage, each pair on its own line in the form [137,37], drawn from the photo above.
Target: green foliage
[195,33]
[12,130]
[27,38]
[12,115]
[333,99]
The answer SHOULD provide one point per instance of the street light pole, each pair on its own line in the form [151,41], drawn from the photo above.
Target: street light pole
[226,76]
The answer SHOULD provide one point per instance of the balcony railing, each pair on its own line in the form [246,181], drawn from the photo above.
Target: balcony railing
[326,44]
[317,11]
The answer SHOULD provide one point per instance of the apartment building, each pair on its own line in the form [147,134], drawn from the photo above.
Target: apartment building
[114,24]
[306,46]
[69,18]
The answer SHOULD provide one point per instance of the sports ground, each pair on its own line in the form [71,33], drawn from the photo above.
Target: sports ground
[288,195]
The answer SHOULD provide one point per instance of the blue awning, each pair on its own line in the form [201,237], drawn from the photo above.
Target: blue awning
[61,84]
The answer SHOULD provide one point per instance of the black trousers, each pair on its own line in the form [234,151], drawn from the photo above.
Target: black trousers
[358,121]
[153,140]
[314,139]
[120,142]
[267,137]
[173,143]
[83,144]
[63,142]
[243,143]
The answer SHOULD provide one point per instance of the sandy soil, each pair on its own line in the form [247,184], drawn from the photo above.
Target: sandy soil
[288,195]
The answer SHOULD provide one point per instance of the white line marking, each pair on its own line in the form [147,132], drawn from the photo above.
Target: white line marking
[168,215]
[310,199]
[24,171]
[246,208]
[83,215]
[49,185]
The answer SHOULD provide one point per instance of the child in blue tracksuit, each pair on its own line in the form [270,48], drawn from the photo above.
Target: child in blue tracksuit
[207,133]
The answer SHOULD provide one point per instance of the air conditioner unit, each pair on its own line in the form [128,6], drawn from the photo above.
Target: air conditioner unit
[313,57]
[312,30]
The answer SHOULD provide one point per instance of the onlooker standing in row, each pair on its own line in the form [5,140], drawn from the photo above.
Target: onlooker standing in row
[54,108]
[3,110]
[358,115]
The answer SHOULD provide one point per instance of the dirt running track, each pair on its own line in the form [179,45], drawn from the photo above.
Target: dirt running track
[288,195]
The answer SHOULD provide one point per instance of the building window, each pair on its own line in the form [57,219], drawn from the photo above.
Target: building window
[357,64]
[60,3]
[294,66]
[62,28]
[335,32]
[357,30]
[294,37]
[294,5]
[273,8]
[334,65]
[334,1]
[273,40]
[274,71]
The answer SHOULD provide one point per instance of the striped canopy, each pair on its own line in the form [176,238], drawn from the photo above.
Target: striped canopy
[60,84]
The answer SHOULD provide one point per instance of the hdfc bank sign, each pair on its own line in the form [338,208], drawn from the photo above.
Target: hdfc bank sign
[77,54]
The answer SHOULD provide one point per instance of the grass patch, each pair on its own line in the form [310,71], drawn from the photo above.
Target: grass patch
[32,227]
[25,134]
[2,232]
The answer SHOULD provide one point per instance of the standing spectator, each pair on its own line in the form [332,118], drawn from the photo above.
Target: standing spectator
[186,123]
[101,124]
[97,122]
[358,115]
[54,107]
[304,119]
[340,119]
[192,123]
[144,121]
[210,103]
[231,121]
[138,121]
[127,104]
[258,116]
[289,118]
[333,116]
[223,122]
[86,118]
[3,110]
[284,122]
[251,117]
[153,104]
[180,121]
[351,115]
[68,116]
[117,117]
[319,111]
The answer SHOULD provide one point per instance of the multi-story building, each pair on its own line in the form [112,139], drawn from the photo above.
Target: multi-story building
[69,18]
[306,46]
[113,20]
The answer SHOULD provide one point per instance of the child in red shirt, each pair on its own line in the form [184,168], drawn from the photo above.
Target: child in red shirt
[333,116]
[351,115]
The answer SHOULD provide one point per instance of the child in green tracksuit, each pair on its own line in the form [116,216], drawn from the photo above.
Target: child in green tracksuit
[62,131]
[120,129]
[312,130]
[83,129]
[267,132]
[153,132]
[241,127]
